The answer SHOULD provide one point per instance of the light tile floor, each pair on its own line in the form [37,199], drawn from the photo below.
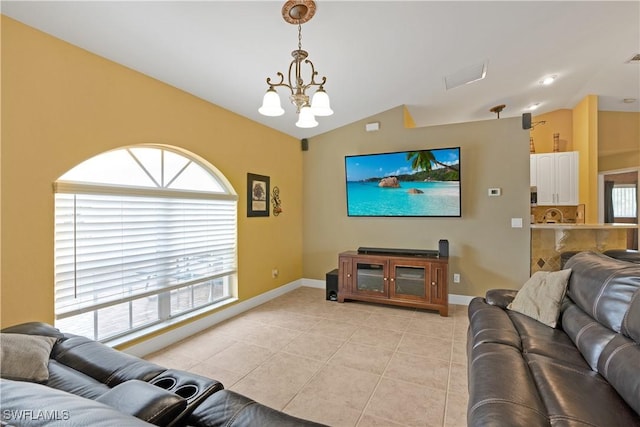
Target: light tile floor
[350,364]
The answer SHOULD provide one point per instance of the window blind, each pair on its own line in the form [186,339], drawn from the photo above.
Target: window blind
[113,248]
[624,200]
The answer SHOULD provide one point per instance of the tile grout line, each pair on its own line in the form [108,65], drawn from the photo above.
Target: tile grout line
[446,395]
[364,409]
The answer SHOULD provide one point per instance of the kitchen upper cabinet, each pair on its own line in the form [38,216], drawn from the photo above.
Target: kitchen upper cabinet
[556,178]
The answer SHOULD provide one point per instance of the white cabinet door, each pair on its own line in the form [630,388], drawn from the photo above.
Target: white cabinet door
[545,179]
[532,171]
[567,178]
[557,178]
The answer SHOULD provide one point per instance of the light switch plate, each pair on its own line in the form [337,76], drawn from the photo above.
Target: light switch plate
[516,222]
[494,192]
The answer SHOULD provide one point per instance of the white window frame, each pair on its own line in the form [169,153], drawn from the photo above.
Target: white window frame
[199,264]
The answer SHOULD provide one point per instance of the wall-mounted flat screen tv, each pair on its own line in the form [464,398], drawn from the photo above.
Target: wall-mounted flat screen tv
[423,183]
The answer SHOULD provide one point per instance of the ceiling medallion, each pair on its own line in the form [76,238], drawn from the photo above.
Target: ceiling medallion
[298,12]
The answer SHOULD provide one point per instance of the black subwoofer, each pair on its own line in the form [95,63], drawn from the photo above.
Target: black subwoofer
[332,285]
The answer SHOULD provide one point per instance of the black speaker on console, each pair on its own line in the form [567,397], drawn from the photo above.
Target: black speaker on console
[332,285]
[526,121]
[443,248]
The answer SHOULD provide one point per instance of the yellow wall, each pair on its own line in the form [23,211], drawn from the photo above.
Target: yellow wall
[62,105]
[484,249]
[585,141]
[618,140]
[559,121]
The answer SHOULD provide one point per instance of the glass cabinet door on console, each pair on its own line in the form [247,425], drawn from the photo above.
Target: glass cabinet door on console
[409,281]
[370,277]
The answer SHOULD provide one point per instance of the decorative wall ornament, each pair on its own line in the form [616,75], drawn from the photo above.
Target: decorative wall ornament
[275,200]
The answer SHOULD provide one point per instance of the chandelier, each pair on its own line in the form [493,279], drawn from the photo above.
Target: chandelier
[297,13]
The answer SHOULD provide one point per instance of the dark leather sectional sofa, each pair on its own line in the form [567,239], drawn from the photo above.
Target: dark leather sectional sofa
[91,384]
[584,372]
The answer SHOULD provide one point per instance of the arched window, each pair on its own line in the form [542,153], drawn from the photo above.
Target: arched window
[143,235]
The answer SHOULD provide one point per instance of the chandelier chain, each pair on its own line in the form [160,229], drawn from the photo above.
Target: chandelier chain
[299,37]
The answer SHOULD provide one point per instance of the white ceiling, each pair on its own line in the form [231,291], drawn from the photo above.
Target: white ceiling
[376,55]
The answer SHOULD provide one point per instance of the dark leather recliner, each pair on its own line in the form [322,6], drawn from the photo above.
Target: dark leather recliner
[584,372]
[92,384]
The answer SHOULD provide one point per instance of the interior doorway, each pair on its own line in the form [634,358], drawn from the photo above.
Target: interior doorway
[618,200]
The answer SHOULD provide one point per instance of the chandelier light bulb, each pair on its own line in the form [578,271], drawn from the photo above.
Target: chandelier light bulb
[271,104]
[306,118]
[320,105]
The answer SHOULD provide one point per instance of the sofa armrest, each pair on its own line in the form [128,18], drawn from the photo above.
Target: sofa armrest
[500,297]
[36,405]
[226,408]
[145,401]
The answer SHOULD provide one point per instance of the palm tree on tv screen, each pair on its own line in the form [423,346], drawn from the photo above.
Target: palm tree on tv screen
[422,160]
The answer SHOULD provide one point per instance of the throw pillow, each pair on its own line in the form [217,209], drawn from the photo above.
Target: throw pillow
[541,296]
[25,357]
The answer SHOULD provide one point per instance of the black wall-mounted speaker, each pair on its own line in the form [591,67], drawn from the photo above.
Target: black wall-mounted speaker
[526,121]
[304,143]
[443,248]
[332,285]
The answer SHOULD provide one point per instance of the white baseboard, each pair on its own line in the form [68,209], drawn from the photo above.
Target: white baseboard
[171,337]
[314,283]
[460,299]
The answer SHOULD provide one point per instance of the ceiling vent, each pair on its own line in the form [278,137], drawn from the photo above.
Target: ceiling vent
[468,75]
[635,59]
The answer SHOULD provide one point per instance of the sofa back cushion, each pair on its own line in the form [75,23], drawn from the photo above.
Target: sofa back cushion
[589,336]
[631,323]
[620,364]
[101,362]
[603,287]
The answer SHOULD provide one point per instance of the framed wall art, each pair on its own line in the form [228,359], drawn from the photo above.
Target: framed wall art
[257,195]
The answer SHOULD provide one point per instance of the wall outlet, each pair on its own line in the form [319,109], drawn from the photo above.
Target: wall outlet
[275,273]
[456,278]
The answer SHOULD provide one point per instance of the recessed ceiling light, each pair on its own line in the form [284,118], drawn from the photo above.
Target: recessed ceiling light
[548,80]
[533,106]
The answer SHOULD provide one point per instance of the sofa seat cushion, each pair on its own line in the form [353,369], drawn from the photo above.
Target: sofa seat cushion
[25,357]
[36,405]
[541,339]
[505,397]
[64,378]
[574,396]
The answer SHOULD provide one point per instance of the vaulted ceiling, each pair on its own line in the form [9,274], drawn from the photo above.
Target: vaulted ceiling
[376,55]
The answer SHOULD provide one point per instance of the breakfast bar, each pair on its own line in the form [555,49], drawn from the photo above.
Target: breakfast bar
[549,241]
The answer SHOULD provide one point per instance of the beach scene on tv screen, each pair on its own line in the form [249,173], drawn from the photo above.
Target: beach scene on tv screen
[408,183]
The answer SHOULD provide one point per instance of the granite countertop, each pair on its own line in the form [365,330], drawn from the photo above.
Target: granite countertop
[573,226]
